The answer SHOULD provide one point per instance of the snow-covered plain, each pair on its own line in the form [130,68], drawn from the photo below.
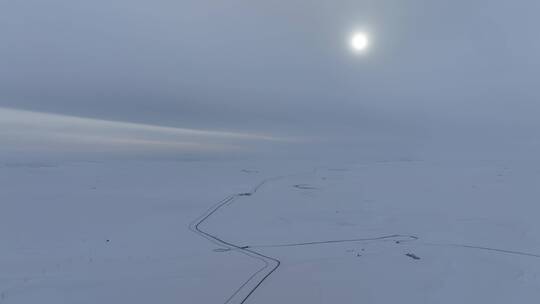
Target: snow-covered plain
[399,231]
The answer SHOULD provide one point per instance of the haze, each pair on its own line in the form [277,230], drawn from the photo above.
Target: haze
[274,67]
[255,151]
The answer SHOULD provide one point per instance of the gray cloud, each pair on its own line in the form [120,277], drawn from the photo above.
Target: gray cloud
[26,132]
[273,66]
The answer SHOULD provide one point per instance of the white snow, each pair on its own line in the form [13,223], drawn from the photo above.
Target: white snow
[117,232]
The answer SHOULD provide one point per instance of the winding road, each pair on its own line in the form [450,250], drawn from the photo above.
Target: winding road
[270,264]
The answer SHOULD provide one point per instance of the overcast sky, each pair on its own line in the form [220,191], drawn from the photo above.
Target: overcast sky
[268,66]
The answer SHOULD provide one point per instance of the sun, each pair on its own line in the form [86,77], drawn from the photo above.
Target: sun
[359,42]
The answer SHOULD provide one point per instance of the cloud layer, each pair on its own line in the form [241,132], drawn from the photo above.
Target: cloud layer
[26,132]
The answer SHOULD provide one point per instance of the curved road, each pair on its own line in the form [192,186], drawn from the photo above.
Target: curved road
[271,264]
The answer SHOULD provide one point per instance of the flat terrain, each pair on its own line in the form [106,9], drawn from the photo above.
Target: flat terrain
[371,232]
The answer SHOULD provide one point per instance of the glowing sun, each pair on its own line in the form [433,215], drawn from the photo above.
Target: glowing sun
[359,42]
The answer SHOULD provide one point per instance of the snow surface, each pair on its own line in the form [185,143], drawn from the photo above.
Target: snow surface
[118,232]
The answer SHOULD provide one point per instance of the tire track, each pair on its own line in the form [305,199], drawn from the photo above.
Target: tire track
[392,237]
[242,293]
[482,248]
[271,264]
